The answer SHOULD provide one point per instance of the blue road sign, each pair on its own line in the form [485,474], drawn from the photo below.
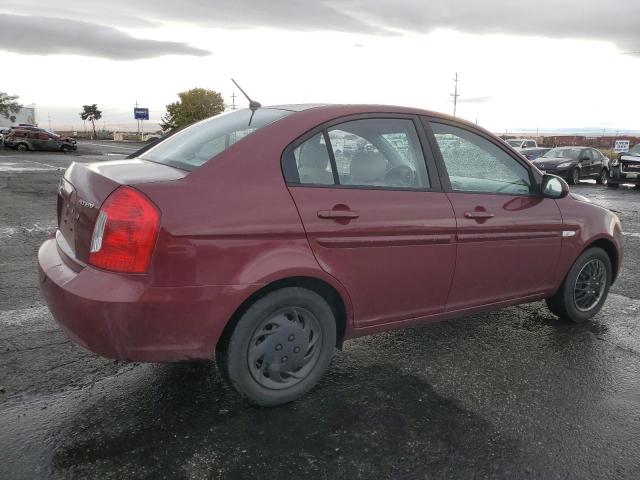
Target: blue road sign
[141,113]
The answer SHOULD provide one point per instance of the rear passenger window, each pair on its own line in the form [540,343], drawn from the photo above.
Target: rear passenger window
[313,162]
[379,153]
[376,153]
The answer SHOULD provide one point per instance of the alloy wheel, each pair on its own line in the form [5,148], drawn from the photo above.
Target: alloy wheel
[590,285]
[285,348]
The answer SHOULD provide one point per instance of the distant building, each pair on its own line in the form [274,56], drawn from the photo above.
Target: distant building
[25,115]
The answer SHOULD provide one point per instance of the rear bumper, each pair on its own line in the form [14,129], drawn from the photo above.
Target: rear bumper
[124,317]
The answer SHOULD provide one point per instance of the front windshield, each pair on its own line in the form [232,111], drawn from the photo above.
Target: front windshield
[571,153]
[202,141]
[514,143]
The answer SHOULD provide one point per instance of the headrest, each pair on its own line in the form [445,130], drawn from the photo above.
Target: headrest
[314,156]
[367,167]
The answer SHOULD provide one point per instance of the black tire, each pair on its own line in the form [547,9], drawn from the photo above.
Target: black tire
[574,176]
[281,321]
[22,147]
[65,148]
[568,305]
[603,178]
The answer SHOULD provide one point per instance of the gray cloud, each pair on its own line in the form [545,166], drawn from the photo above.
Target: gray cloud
[615,20]
[37,35]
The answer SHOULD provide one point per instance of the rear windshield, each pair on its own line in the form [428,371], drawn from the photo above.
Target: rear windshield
[200,142]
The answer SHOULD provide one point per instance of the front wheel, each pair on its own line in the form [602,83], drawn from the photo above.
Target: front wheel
[280,347]
[585,288]
[65,148]
[574,176]
[22,147]
[604,176]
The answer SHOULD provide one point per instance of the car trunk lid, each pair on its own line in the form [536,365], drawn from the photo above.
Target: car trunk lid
[84,188]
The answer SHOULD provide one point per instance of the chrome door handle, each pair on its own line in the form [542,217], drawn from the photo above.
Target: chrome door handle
[478,215]
[339,214]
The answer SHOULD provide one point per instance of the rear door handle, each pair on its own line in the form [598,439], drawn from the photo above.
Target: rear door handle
[478,215]
[337,214]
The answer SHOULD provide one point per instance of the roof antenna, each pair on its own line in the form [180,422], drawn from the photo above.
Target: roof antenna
[253,105]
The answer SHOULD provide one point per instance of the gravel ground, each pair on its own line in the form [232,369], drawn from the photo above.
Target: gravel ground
[509,394]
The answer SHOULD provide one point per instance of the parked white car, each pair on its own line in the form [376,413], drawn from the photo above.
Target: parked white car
[520,143]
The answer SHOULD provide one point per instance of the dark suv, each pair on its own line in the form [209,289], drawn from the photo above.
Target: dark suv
[626,168]
[29,138]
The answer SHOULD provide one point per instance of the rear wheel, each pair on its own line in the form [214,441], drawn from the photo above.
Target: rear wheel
[22,147]
[574,176]
[280,347]
[585,288]
[604,176]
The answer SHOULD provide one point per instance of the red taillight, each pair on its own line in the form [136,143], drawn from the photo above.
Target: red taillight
[125,232]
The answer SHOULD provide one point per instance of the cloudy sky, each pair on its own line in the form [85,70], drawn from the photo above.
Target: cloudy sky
[548,64]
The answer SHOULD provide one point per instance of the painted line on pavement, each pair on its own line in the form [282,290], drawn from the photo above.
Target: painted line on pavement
[112,146]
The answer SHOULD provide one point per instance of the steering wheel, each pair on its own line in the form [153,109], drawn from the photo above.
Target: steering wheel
[401,176]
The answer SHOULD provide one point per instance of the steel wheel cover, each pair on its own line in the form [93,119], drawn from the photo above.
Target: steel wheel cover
[284,348]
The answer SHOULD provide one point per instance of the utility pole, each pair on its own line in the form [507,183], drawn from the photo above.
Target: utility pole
[455,95]
[233,100]
[49,118]
[137,123]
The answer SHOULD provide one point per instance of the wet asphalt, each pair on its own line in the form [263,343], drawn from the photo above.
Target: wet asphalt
[509,394]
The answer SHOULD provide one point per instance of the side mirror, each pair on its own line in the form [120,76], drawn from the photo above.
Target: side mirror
[554,187]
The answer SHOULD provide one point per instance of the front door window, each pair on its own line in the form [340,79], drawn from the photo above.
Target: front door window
[477,165]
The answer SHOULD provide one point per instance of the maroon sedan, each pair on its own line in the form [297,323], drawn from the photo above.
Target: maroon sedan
[267,238]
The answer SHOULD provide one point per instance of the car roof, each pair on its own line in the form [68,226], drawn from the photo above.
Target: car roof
[344,109]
